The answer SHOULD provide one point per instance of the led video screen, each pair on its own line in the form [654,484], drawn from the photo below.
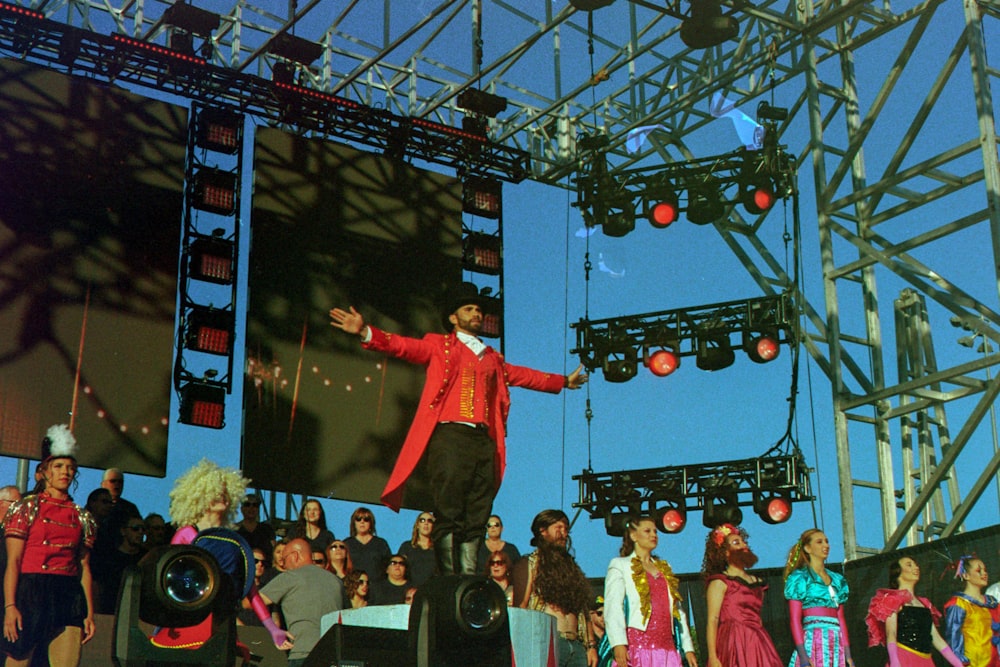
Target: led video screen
[334,226]
[91,181]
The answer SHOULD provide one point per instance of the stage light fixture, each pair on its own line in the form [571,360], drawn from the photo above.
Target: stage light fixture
[181,41]
[761,347]
[482,253]
[191,19]
[219,130]
[705,204]
[721,503]
[590,5]
[757,194]
[621,364]
[714,352]
[214,190]
[663,211]
[706,26]
[672,518]
[460,620]
[210,330]
[619,223]
[480,102]
[661,361]
[203,404]
[482,196]
[294,48]
[773,506]
[492,315]
[616,523]
[211,260]
[69,46]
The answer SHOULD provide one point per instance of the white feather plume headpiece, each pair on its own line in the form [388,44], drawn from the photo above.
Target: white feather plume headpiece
[59,442]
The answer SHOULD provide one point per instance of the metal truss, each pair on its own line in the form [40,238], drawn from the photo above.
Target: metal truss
[648,491]
[899,194]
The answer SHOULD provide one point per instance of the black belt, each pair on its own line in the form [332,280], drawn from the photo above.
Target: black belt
[482,428]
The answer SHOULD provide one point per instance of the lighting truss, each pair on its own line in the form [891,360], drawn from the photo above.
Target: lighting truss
[642,492]
[114,58]
[681,328]
[600,189]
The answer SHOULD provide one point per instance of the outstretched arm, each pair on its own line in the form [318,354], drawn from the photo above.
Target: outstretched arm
[347,321]
[577,378]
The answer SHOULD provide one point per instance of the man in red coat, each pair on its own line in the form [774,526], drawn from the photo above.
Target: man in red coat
[460,422]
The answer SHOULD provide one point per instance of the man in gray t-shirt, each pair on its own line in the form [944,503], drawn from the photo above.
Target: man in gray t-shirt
[306,593]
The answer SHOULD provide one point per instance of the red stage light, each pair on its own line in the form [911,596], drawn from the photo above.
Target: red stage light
[672,520]
[773,507]
[664,213]
[779,509]
[763,349]
[758,195]
[663,362]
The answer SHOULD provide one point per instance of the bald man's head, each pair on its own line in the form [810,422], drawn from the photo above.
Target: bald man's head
[297,554]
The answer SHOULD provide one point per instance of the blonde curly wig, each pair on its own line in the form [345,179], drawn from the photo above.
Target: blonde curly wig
[195,490]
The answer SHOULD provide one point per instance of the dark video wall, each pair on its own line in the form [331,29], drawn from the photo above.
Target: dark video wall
[90,212]
[333,226]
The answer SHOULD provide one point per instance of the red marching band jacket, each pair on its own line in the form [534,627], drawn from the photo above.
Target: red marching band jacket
[442,355]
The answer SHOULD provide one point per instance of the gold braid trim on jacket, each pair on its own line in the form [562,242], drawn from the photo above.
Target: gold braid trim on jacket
[642,586]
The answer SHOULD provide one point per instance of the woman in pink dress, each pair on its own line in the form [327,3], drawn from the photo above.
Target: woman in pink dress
[643,616]
[734,633]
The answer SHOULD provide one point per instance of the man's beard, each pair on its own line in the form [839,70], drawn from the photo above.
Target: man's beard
[742,558]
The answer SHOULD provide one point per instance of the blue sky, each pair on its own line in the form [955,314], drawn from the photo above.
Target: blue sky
[690,417]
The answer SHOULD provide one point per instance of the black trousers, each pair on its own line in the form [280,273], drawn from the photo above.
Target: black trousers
[460,462]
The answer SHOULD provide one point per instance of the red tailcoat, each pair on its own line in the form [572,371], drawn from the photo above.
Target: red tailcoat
[438,354]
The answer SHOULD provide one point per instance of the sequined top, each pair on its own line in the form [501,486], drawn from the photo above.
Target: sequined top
[913,628]
[659,633]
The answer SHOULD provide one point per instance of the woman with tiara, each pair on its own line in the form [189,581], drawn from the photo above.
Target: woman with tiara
[905,623]
[816,598]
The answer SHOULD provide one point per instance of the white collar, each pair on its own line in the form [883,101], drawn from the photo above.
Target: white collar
[472,342]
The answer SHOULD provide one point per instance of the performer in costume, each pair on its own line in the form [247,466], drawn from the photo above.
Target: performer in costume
[643,615]
[816,598]
[905,623]
[460,422]
[734,632]
[971,618]
[206,496]
[47,583]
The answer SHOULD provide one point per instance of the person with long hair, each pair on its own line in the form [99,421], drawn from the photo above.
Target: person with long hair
[206,496]
[971,618]
[643,612]
[904,623]
[311,526]
[816,598]
[47,583]
[368,551]
[419,550]
[734,633]
[550,580]
[498,570]
[356,588]
[338,559]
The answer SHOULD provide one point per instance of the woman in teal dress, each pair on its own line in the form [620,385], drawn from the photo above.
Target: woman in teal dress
[816,598]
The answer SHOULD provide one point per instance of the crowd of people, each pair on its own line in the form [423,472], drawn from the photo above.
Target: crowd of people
[64,564]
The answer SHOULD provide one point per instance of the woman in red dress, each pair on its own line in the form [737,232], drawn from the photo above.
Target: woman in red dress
[734,633]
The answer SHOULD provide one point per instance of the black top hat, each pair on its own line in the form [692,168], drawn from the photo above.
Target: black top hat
[460,295]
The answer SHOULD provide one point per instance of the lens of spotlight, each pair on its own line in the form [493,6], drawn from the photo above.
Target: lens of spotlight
[663,363]
[186,580]
[479,606]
